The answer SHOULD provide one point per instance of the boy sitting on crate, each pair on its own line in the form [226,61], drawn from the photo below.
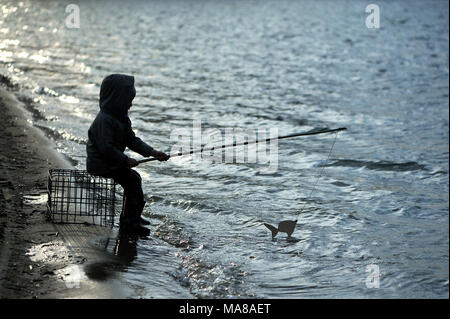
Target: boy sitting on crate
[109,135]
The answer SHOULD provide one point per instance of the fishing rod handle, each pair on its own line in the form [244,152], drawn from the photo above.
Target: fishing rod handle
[147,160]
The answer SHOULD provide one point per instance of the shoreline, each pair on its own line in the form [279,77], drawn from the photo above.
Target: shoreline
[25,158]
[37,257]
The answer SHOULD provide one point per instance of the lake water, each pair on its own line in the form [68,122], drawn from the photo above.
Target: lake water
[381,202]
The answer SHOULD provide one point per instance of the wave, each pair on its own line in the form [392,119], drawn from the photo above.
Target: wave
[378,165]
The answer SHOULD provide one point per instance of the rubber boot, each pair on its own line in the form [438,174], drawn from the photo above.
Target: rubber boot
[133,227]
[142,220]
[130,223]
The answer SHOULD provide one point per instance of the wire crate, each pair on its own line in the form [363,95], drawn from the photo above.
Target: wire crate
[76,197]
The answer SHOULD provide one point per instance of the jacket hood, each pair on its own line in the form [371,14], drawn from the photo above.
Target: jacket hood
[116,93]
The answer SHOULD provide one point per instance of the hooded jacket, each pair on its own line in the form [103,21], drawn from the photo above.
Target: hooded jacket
[111,131]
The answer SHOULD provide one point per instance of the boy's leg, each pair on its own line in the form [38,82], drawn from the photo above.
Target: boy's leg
[131,182]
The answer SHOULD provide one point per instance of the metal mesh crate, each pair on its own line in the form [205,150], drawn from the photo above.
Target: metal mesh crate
[76,197]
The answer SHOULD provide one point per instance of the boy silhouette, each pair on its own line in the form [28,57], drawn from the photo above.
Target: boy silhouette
[109,135]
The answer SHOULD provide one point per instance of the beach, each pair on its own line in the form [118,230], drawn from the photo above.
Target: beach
[26,155]
[36,257]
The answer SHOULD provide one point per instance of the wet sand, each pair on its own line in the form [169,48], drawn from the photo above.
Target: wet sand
[39,259]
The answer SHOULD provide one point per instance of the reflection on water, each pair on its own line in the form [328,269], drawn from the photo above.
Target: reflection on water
[294,66]
[125,249]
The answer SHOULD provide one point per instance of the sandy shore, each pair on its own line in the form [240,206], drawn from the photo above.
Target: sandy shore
[37,257]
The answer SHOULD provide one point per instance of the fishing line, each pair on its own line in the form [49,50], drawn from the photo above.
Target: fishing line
[288,226]
[320,174]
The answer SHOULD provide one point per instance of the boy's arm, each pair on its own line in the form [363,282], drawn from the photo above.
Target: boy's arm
[135,144]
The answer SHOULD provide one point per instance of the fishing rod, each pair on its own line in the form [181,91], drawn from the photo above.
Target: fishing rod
[248,142]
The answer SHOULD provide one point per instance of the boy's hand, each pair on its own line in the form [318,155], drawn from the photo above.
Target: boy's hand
[160,156]
[131,162]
